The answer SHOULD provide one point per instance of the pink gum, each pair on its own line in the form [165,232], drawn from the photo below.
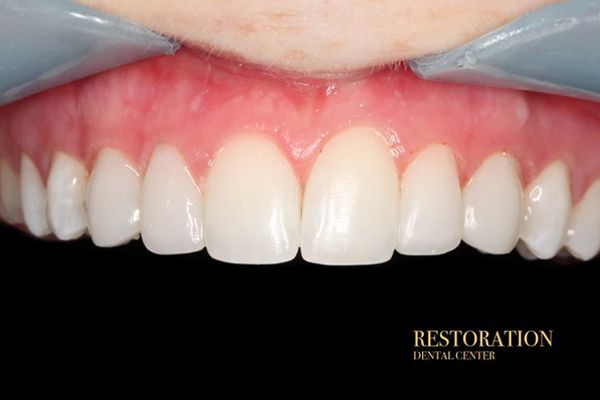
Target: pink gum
[186,101]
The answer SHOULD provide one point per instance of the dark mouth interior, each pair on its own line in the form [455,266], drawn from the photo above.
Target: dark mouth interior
[358,319]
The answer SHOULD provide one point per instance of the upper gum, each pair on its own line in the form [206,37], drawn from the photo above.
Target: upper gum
[509,121]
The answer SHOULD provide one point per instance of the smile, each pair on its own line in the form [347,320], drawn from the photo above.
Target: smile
[188,155]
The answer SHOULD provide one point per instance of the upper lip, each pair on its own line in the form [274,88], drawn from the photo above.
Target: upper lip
[241,66]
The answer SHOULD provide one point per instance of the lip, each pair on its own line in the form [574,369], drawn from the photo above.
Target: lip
[238,65]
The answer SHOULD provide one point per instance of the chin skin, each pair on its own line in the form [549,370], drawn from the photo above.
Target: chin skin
[321,36]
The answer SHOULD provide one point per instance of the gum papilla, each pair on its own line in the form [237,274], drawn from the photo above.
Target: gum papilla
[187,101]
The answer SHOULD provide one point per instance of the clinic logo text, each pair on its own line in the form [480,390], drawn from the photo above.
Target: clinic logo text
[476,345]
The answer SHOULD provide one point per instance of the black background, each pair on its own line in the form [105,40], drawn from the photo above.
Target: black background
[132,310]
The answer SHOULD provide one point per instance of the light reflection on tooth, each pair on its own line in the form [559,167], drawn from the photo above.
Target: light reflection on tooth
[252,204]
[493,201]
[67,185]
[10,195]
[33,198]
[547,210]
[350,210]
[113,200]
[583,233]
[171,208]
[431,211]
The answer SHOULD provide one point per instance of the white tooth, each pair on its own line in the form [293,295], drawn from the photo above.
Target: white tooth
[431,212]
[524,251]
[10,195]
[67,184]
[171,212]
[493,201]
[583,235]
[547,209]
[252,208]
[33,198]
[113,200]
[350,210]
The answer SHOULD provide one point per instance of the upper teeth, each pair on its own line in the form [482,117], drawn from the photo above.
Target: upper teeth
[350,212]
[113,200]
[10,197]
[34,199]
[67,183]
[355,209]
[548,205]
[252,206]
[430,204]
[171,215]
[493,204]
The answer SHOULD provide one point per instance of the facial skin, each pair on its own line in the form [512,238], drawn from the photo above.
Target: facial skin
[327,36]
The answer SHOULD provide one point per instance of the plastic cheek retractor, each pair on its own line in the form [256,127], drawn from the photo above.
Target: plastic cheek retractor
[46,43]
[555,49]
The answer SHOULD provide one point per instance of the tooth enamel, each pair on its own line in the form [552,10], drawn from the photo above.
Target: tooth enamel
[252,204]
[547,209]
[431,211]
[583,234]
[33,198]
[171,210]
[113,200]
[493,201]
[350,208]
[524,251]
[67,184]
[10,195]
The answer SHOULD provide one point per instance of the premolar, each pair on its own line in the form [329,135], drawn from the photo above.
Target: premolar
[350,211]
[547,209]
[583,234]
[431,211]
[113,200]
[252,204]
[34,199]
[493,201]
[171,210]
[10,195]
[67,185]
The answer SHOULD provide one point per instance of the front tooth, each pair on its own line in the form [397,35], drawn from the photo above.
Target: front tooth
[547,209]
[493,201]
[583,235]
[171,210]
[431,212]
[524,251]
[67,184]
[10,195]
[33,198]
[350,211]
[252,208]
[113,200]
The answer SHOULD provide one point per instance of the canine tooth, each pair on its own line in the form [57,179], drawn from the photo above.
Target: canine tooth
[33,198]
[113,200]
[10,195]
[583,234]
[171,210]
[67,184]
[431,212]
[547,209]
[350,209]
[252,204]
[493,201]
